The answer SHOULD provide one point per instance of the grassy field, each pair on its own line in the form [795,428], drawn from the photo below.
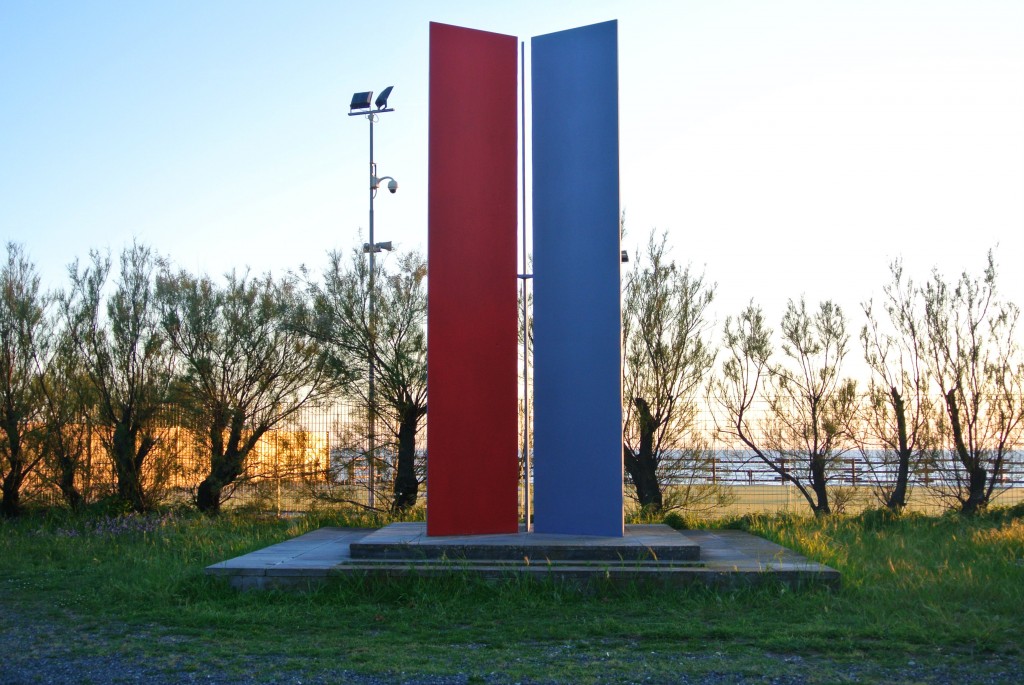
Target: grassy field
[742,500]
[924,599]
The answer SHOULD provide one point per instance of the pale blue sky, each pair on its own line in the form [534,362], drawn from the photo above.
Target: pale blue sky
[789,147]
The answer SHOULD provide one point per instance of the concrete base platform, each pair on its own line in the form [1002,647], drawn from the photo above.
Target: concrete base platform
[728,559]
[409,541]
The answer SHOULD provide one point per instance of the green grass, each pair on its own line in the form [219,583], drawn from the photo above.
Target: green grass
[943,592]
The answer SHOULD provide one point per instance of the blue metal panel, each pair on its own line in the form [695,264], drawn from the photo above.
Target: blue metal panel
[577,323]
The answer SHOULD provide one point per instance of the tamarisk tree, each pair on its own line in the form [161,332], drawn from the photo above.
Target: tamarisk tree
[244,368]
[69,402]
[668,357]
[896,415]
[24,329]
[128,363]
[977,367]
[810,408]
[395,338]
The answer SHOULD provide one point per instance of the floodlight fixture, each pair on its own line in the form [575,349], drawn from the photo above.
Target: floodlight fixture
[361,101]
[623,256]
[382,100]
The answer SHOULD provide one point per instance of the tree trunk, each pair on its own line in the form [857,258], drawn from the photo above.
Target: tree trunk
[406,485]
[10,505]
[818,484]
[227,459]
[642,465]
[976,497]
[65,451]
[898,497]
[642,473]
[129,479]
[208,496]
[224,469]
[66,482]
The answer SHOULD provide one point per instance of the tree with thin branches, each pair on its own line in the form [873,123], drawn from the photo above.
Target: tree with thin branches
[810,407]
[128,363]
[977,367]
[395,337]
[244,369]
[668,357]
[896,416]
[24,332]
[69,402]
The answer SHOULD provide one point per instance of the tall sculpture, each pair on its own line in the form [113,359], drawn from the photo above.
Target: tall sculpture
[472,423]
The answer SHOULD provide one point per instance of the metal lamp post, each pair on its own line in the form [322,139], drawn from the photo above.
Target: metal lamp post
[360,106]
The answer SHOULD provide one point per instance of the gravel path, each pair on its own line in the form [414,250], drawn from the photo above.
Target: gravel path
[44,650]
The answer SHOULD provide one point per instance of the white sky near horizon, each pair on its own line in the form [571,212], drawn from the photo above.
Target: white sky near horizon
[787,147]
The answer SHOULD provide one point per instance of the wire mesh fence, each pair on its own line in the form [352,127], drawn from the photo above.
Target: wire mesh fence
[322,457]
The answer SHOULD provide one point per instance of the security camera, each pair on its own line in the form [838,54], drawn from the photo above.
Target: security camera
[392,186]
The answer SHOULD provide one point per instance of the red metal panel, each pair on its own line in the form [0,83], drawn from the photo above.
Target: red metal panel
[472,419]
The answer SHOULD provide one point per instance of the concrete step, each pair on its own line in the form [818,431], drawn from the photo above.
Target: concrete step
[462,563]
[728,559]
[405,541]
